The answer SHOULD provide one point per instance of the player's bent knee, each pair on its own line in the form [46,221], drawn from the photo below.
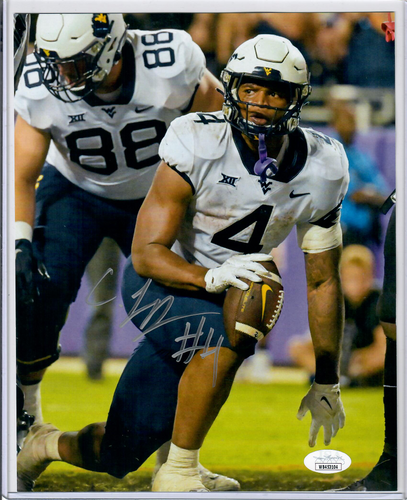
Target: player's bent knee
[243,345]
[89,442]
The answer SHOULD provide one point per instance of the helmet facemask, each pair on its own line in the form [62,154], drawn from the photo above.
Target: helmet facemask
[268,60]
[285,119]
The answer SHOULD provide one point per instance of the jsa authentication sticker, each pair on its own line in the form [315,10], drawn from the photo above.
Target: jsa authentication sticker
[327,461]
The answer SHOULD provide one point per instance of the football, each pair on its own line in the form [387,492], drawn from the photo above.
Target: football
[251,314]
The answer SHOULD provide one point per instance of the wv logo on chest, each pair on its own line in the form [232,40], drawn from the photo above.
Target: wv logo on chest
[265,186]
[228,179]
[110,111]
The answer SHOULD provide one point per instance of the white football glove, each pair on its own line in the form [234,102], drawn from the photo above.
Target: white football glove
[238,266]
[324,403]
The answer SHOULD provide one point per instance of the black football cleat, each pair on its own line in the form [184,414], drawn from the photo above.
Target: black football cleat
[383,477]
[24,420]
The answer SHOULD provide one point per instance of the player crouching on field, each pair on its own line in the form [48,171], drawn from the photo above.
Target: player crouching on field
[230,188]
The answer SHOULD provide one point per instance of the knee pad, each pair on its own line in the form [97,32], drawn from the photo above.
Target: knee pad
[38,327]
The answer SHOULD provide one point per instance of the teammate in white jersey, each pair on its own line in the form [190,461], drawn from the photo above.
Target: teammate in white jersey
[93,103]
[231,187]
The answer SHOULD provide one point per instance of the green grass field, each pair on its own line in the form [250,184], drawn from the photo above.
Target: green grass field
[256,438]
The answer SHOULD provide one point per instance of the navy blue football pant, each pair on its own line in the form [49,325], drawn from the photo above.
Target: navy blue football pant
[142,413]
[70,225]
[387,314]
[387,301]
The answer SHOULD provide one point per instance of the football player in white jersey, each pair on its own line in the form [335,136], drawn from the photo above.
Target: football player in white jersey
[93,103]
[230,188]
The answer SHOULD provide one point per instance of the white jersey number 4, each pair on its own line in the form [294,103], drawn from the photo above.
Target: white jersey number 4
[259,218]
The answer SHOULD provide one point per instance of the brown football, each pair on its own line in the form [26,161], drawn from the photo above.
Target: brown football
[250,315]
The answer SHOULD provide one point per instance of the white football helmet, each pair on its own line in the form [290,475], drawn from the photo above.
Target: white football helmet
[87,44]
[267,58]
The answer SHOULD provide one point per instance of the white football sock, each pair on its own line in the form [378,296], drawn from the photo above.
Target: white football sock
[51,445]
[162,454]
[182,458]
[32,401]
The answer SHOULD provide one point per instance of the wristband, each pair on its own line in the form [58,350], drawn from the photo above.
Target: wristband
[23,231]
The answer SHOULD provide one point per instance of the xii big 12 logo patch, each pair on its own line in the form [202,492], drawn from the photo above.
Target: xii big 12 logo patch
[101,25]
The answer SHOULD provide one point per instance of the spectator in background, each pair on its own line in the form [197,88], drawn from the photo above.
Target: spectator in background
[99,328]
[353,42]
[360,209]
[203,28]
[331,48]
[158,20]
[364,343]
[301,28]
[232,30]
[369,62]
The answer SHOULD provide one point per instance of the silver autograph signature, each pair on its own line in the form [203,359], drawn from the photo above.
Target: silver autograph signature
[165,306]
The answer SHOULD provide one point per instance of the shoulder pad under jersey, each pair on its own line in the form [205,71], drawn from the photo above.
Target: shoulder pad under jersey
[326,155]
[203,134]
[168,52]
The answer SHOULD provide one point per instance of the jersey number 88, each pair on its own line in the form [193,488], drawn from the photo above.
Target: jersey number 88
[138,154]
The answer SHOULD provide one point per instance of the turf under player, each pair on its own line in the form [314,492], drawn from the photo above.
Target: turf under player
[93,104]
[230,188]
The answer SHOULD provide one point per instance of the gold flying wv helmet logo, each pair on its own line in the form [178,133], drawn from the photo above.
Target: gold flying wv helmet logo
[102,18]
[267,71]
[46,52]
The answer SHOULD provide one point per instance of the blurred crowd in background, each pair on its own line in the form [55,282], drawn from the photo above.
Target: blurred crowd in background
[353,79]
[336,46]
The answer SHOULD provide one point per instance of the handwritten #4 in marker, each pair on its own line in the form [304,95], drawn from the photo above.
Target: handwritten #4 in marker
[162,320]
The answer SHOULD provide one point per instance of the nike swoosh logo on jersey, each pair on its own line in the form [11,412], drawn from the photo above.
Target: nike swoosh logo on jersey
[264,290]
[145,108]
[327,402]
[293,195]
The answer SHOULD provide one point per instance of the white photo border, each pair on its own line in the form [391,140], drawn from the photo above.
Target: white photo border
[8,307]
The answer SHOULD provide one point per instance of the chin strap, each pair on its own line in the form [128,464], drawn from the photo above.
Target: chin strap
[265,166]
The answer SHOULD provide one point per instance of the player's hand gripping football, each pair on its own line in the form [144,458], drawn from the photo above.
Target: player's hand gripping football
[324,403]
[238,266]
